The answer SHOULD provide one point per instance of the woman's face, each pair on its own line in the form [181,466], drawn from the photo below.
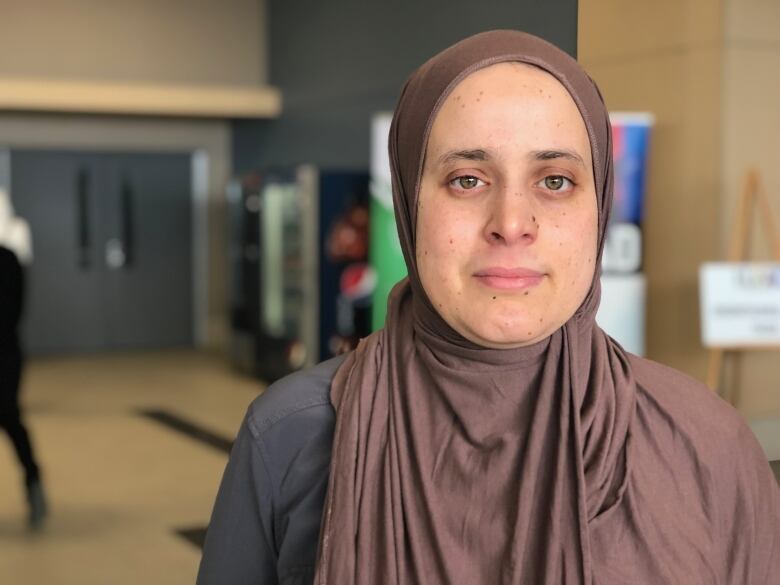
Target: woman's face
[507,218]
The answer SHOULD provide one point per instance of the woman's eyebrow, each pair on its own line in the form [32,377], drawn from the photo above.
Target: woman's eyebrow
[467,154]
[553,154]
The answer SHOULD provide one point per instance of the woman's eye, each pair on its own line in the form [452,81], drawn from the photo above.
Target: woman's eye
[466,182]
[556,182]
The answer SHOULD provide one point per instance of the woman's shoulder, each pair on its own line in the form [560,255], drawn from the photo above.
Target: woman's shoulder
[295,391]
[274,486]
[686,420]
[696,453]
[299,399]
[682,398]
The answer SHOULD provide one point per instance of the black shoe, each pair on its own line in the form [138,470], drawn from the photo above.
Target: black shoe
[36,500]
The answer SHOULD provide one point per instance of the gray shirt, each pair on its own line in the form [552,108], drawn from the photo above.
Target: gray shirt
[265,525]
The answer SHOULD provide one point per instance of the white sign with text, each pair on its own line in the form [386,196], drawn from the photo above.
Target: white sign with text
[740,304]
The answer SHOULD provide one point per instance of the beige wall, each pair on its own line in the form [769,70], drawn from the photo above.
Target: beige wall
[175,41]
[665,57]
[751,137]
[708,70]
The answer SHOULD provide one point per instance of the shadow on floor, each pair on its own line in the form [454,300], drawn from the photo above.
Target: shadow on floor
[189,429]
[195,536]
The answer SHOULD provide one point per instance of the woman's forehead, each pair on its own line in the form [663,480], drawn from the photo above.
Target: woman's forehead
[508,103]
[525,74]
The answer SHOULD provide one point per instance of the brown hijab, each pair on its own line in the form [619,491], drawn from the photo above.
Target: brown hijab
[454,463]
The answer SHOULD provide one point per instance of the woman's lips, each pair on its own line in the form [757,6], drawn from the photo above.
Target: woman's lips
[509,278]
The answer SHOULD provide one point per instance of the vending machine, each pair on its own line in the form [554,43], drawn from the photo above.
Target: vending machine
[300,284]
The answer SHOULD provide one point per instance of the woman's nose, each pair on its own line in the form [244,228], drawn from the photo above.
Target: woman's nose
[511,218]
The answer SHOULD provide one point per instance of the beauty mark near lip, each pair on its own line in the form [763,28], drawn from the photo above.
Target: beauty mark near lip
[508,278]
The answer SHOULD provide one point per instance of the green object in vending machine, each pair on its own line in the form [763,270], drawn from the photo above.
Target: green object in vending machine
[384,252]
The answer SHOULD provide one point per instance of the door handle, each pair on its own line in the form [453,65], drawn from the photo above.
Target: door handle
[83,232]
[116,258]
[127,196]
[120,251]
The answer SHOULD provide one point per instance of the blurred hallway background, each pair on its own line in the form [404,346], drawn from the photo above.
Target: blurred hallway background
[132,447]
[206,188]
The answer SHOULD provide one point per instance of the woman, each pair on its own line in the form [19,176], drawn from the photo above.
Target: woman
[491,432]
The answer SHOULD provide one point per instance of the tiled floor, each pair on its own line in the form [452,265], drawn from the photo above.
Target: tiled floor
[132,448]
[120,484]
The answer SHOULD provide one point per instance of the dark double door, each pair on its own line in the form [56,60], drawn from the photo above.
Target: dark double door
[112,240]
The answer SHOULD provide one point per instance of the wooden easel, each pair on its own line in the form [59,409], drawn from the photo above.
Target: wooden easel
[753,195]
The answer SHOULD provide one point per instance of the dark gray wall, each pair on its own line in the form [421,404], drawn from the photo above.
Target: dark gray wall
[337,62]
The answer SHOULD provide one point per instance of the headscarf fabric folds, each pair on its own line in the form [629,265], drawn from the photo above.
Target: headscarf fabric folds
[453,463]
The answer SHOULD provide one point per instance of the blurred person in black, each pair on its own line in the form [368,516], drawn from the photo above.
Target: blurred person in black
[15,248]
